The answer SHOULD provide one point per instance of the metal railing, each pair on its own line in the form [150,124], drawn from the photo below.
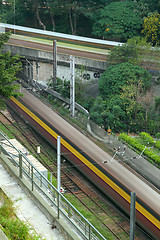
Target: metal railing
[39,182]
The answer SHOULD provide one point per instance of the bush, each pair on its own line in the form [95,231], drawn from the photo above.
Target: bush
[147,138]
[15,229]
[134,143]
[157,135]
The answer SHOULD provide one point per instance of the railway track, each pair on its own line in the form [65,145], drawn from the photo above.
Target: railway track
[112,222]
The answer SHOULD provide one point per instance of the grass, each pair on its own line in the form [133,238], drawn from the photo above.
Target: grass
[93,219]
[10,224]
[6,131]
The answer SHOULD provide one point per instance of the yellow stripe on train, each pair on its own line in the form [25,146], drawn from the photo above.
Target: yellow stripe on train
[89,164]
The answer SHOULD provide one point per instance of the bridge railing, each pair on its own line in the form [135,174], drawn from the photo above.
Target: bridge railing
[38,181]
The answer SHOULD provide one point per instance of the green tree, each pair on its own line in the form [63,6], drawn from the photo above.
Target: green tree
[116,76]
[9,66]
[151,28]
[139,101]
[110,114]
[17,12]
[116,115]
[138,52]
[98,111]
[124,89]
[118,20]
[153,5]
[142,7]
[78,10]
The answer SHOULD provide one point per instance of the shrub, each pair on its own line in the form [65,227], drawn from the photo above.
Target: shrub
[147,138]
[134,143]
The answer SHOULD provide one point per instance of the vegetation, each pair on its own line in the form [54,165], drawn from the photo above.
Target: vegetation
[125,101]
[9,66]
[117,20]
[151,28]
[122,102]
[147,149]
[11,225]
[114,20]
[136,51]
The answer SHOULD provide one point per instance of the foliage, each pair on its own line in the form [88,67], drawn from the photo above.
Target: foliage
[151,28]
[136,50]
[18,14]
[87,102]
[157,103]
[148,139]
[142,7]
[157,135]
[12,226]
[116,76]
[125,99]
[123,19]
[118,20]
[9,66]
[153,5]
[141,147]
[116,117]
[97,111]
[63,87]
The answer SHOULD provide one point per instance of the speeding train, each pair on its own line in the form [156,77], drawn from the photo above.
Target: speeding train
[4,27]
[110,177]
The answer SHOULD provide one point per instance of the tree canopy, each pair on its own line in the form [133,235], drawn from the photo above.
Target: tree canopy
[110,19]
[9,66]
[124,100]
[116,76]
[151,28]
[136,51]
[118,20]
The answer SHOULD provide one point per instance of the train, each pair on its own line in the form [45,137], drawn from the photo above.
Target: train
[112,178]
[4,27]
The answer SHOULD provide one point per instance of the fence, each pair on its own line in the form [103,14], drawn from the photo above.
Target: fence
[39,182]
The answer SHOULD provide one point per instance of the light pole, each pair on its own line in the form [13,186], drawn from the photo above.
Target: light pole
[14,14]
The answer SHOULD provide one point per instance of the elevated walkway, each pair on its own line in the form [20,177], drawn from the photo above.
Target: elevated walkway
[60,213]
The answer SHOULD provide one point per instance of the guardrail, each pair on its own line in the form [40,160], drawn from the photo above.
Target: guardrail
[39,182]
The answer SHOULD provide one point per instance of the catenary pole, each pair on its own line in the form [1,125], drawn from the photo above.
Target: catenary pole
[72,86]
[58,163]
[54,63]
[132,215]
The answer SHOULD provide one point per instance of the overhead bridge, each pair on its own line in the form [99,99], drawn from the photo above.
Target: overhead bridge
[37,54]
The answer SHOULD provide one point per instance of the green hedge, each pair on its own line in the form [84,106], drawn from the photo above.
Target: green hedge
[147,138]
[135,143]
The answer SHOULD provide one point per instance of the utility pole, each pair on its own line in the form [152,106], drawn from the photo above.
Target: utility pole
[132,215]
[58,163]
[14,15]
[54,63]
[72,86]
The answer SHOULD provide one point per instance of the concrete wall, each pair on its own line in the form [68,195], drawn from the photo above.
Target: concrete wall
[39,65]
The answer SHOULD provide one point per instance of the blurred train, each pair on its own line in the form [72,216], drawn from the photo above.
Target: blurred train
[57,36]
[111,177]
